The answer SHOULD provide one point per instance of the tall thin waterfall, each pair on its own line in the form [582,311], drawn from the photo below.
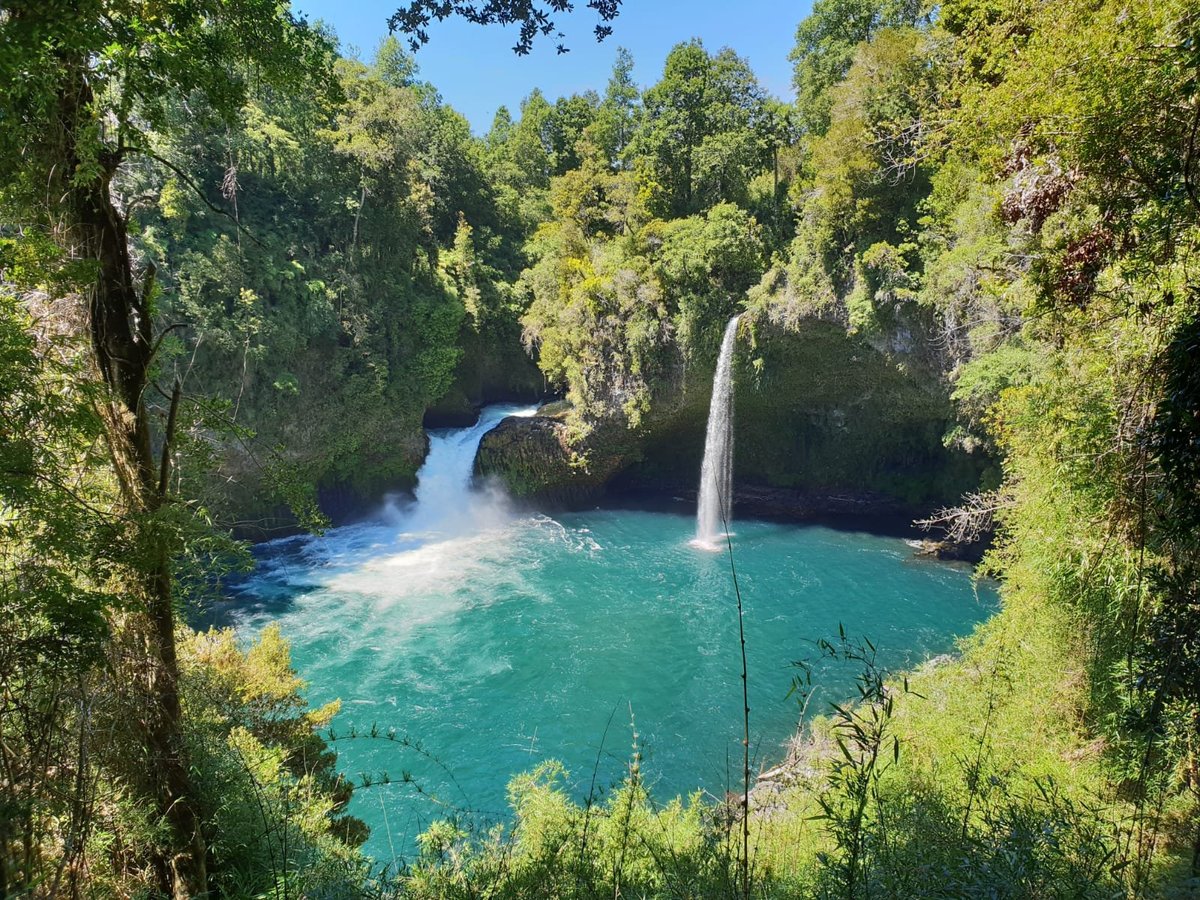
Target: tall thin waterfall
[716,474]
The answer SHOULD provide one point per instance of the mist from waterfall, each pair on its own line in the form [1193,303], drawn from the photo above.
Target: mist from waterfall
[446,503]
[715,508]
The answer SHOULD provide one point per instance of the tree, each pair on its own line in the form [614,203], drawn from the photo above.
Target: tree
[572,117]
[376,128]
[698,141]
[825,46]
[56,535]
[617,118]
[534,19]
[867,181]
[395,67]
[85,89]
[530,141]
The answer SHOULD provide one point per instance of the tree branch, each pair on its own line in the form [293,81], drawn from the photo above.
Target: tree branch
[967,523]
[534,19]
[164,471]
[162,336]
[1189,158]
[198,191]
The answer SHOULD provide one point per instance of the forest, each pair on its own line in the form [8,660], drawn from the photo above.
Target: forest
[243,271]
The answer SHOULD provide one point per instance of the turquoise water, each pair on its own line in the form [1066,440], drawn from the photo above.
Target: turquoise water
[498,640]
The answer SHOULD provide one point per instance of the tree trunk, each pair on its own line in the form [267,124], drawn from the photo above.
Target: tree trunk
[121,340]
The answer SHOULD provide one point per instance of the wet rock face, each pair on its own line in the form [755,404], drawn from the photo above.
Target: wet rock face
[494,368]
[535,461]
[971,552]
[825,424]
[822,419]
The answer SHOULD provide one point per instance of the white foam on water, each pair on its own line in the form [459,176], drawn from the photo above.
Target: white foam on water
[438,566]
[451,532]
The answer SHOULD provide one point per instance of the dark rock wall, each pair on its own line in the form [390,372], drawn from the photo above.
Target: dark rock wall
[824,422]
[494,368]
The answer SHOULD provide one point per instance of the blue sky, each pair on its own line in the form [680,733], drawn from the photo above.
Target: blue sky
[477,72]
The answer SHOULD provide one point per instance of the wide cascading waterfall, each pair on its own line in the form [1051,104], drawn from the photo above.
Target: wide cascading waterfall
[443,497]
[716,473]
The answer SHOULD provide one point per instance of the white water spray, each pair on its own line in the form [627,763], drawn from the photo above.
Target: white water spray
[715,508]
[444,500]
[438,540]
[446,474]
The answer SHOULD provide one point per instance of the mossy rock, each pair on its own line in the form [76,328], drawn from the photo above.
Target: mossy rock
[494,368]
[534,458]
[819,410]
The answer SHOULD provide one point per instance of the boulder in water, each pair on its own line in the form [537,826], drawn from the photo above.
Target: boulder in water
[535,461]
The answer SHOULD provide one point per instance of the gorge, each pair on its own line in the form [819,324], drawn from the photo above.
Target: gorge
[498,638]
[362,461]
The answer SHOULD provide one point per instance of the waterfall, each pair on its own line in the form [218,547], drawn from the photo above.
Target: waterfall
[715,508]
[446,474]
[443,497]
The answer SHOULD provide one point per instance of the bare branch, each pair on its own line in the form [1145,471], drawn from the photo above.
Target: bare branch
[199,192]
[970,521]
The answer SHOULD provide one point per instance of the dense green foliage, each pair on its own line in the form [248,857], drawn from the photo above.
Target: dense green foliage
[86,89]
[237,269]
[373,237]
